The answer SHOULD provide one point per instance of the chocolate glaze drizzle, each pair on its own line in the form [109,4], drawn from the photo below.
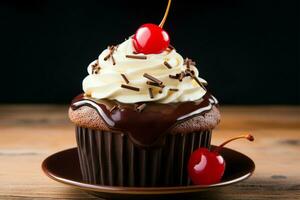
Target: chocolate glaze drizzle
[146,127]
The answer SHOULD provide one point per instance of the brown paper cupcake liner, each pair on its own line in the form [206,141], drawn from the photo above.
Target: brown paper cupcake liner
[112,159]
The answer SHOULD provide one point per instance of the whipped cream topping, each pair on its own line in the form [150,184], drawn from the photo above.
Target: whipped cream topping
[106,82]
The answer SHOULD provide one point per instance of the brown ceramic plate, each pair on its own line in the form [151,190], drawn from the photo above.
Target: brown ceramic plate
[64,167]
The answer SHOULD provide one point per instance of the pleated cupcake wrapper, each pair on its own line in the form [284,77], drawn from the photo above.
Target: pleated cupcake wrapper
[112,159]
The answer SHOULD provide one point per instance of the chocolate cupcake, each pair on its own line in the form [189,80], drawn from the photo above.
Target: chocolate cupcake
[140,118]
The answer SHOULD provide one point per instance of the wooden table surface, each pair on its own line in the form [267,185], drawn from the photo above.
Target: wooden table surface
[28,134]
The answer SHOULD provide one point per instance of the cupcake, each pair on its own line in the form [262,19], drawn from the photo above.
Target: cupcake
[143,112]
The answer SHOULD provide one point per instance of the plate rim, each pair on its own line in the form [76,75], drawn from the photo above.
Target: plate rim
[140,190]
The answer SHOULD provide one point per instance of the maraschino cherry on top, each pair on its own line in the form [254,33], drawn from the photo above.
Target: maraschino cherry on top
[152,38]
[207,167]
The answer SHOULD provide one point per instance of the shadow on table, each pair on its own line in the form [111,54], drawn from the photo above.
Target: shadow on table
[206,195]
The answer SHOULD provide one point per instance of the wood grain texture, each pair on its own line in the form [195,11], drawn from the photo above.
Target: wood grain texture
[28,134]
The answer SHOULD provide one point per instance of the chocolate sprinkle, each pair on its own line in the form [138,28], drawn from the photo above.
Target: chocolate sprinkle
[113,60]
[188,61]
[174,89]
[110,55]
[151,93]
[151,78]
[136,57]
[185,73]
[189,72]
[130,87]
[167,65]
[181,76]
[141,107]
[95,68]
[173,76]
[199,82]
[154,84]
[106,57]
[125,78]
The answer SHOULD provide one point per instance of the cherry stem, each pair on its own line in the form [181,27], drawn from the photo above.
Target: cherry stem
[248,137]
[166,15]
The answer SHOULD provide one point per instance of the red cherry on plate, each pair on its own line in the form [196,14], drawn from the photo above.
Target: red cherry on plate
[150,39]
[207,167]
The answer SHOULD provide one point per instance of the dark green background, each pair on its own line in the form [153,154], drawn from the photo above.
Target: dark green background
[248,51]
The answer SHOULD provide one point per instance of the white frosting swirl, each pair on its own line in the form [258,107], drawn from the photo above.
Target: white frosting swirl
[106,84]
